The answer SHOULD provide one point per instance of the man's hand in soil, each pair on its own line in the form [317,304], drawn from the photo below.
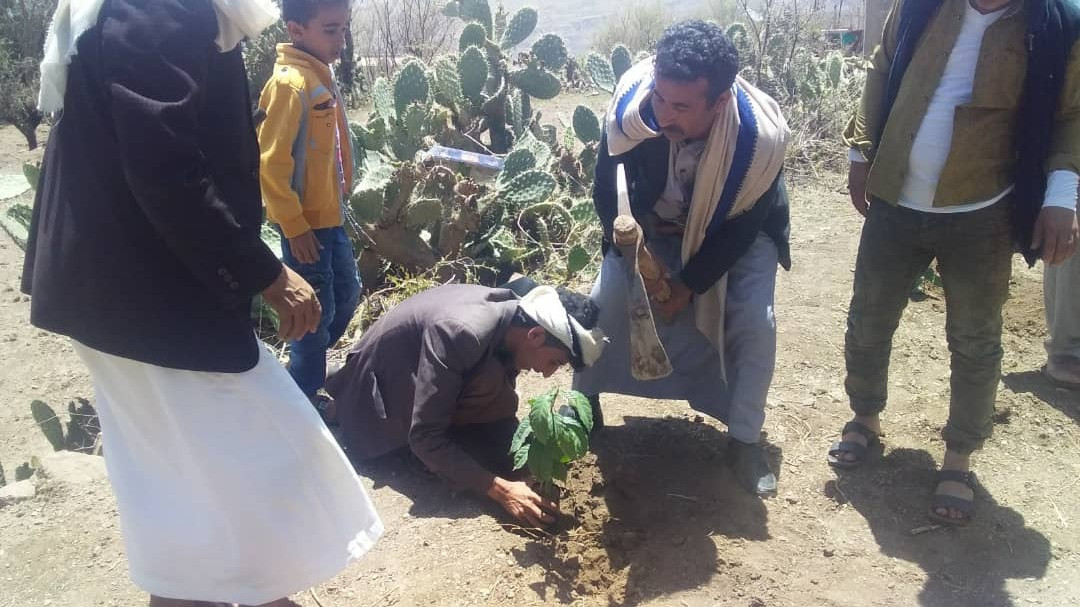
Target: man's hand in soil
[856,185]
[1055,234]
[522,502]
[296,305]
[305,247]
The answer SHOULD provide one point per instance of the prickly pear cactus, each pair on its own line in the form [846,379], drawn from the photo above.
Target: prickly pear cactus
[473,71]
[447,84]
[549,135]
[32,172]
[736,32]
[526,109]
[475,10]
[16,222]
[540,150]
[587,160]
[473,34]
[513,114]
[411,86]
[367,200]
[515,163]
[383,96]
[556,217]
[599,70]
[527,188]
[834,69]
[586,124]
[501,15]
[366,138]
[423,213]
[550,51]
[536,82]
[621,61]
[519,28]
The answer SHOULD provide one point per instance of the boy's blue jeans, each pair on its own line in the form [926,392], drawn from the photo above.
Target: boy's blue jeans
[337,283]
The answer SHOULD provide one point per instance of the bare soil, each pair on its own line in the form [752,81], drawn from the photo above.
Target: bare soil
[659,519]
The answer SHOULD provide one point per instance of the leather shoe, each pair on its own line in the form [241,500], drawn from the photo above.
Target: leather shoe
[751,468]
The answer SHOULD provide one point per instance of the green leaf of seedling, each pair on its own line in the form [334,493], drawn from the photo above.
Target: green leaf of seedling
[580,404]
[521,456]
[571,438]
[542,461]
[524,430]
[541,416]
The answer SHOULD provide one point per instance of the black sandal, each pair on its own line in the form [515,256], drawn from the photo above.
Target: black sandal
[859,450]
[965,506]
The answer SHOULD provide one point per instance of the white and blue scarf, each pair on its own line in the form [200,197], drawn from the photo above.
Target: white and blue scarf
[743,155]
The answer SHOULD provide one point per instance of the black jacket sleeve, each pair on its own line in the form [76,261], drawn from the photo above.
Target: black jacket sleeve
[724,247]
[155,57]
[605,195]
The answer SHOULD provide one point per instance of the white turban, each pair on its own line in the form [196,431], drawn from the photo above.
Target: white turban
[237,19]
[542,304]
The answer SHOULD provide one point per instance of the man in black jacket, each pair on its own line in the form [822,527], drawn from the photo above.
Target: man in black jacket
[145,251]
[703,152]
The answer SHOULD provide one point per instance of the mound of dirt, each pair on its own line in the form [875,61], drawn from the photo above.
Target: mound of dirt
[641,512]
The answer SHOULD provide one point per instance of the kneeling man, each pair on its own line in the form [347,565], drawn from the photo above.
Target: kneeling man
[437,374]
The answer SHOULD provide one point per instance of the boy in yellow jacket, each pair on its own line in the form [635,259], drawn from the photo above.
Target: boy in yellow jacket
[306,174]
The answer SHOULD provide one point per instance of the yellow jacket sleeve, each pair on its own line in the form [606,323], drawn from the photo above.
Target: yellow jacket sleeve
[283,106]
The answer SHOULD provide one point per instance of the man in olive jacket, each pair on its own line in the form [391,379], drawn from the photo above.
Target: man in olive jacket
[966,147]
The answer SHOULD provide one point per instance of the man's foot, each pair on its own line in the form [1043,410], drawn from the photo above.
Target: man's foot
[954,496]
[860,435]
[1063,371]
[751,468]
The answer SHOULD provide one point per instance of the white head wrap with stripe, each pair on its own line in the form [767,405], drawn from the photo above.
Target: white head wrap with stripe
[542,304]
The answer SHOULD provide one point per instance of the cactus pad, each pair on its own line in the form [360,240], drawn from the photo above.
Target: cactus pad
[473,71]
[474,34]
[499,27]
[513,114]
[367,198]
[423,213]
[536,82]
[540,150]
[587,160]
[586,124]
[476,10]
[448,84]
[834,69]
[621,61]
[411,86]
[519,28]
[16,222]
[550,51]
[516,163]
[527,188]
[599,70]
[383,97]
